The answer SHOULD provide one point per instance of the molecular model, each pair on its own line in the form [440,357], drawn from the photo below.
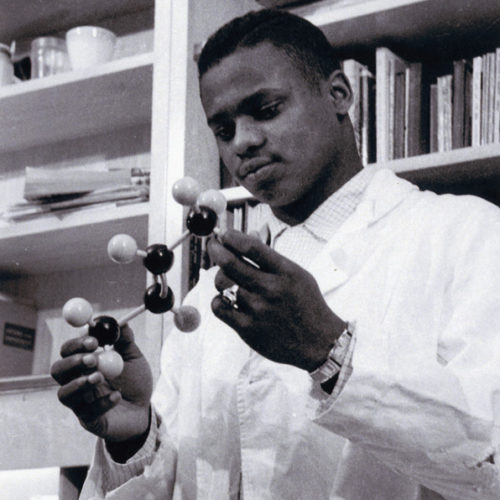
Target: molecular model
[201,221]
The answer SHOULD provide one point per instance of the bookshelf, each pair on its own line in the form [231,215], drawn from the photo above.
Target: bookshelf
[121,94]
[100,116]
[434,33]
[458,167]
[22,20]
[55,242]
[153,93]
[424,31]
[415,27]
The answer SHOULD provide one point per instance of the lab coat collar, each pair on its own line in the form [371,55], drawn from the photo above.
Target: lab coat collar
[334,264]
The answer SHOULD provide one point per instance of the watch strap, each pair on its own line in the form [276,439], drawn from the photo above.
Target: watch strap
[335,358]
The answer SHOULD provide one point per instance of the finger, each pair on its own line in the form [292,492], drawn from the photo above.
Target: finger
[254,249]
[126,345]
[221,281]
[245,301]
[88,397]
[88,413]
[67,369]
[98,425]
[238,320]
[79,344]
[82,390]
[225,312]
[234,268]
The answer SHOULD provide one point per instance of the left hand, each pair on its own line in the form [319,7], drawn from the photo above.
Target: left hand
[281,313]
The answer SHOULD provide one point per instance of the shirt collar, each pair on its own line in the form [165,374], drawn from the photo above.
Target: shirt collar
[332,213]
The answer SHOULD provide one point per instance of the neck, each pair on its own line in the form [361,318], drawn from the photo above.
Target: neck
[340,172]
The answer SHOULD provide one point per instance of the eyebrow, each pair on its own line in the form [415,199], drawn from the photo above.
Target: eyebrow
[246,104]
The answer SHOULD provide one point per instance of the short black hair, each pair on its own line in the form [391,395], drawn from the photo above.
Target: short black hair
[303,42]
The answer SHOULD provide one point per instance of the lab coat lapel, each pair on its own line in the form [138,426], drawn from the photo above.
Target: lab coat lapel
[333,266]
[217,461]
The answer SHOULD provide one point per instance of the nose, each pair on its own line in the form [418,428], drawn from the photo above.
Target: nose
[248,136]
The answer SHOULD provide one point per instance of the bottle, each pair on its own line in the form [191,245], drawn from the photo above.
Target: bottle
[6,66]
[48,56]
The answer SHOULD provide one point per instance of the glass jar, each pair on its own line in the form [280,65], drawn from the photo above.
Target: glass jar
[6,66]
[48,56]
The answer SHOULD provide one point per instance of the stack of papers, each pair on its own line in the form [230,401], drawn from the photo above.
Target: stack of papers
[48,190]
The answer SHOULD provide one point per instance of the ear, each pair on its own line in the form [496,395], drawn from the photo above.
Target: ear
[340,92]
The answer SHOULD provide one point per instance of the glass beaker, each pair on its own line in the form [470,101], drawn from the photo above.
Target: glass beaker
[6,66]
[48,56]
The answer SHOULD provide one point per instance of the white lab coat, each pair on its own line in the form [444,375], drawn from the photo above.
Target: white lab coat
[417,273]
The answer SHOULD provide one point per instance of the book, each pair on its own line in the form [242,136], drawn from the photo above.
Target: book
[388,65]
[399,112]
[468,104]
[413,137]
[195,261]
[368,130]
[444,110]
[462,103]
[382,103]
[41,182]
[433,119]
[490,127]
[496,118]
[476,100]
[485,93]
[458,111]
[36,208]
[362,110]
[352,70]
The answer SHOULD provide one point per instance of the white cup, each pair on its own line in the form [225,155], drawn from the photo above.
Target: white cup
[89,46]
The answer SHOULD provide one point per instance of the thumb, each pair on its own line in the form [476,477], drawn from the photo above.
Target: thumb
[126,345]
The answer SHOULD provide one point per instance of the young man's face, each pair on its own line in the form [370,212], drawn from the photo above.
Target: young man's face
[275,133]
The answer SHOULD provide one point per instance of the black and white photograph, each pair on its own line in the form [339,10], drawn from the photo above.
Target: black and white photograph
[249,250]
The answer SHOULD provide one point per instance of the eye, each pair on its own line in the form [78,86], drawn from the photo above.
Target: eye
[268,111]
[224,132]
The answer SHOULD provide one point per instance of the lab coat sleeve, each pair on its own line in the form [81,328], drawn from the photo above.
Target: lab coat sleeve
[151,472]
[433,413]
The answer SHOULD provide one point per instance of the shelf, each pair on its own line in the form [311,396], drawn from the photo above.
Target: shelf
[114,95]
[460,171]
[413,27]
[73,241]
[474,160]
[235,195]
[26,383]
[22,18]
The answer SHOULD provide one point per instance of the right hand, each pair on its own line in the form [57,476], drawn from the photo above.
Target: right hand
[116,410]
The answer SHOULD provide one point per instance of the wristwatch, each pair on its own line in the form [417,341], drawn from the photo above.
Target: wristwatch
[335,357]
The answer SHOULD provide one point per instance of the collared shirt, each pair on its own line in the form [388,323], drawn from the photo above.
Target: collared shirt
[299,242]
[415,418]
[307,239]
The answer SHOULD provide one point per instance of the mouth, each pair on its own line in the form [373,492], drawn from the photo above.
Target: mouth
[251,168]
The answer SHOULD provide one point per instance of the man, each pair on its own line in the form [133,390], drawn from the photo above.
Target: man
[370,314]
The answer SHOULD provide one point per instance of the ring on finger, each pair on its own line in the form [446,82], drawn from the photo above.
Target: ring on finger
[230,296]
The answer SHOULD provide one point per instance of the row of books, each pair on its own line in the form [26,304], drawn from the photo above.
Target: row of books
[465,104]
[404,108]
[57,191]
[399,107]
[247,217]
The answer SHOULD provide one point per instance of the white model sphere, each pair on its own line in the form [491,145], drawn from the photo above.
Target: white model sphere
[186,190]
[122,248]
[77,311]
